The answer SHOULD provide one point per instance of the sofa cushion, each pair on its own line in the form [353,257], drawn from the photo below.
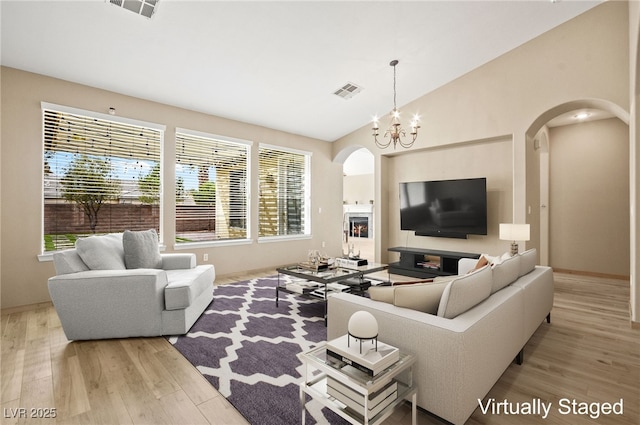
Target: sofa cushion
[103,252]
[382,293]
[465,292]
[505,273]
[423,297]
[500,258]
[186,285]
[528,260]
[141,249]
[68,261]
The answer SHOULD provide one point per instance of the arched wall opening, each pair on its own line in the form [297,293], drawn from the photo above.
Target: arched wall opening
[577,192]
[358,194]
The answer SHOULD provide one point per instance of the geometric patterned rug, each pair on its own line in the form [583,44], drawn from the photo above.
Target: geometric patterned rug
[246,348]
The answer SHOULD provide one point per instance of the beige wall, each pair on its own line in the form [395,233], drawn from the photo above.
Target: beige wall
[585,58]
[589,197]
[24,278]
[358,189]
[485,158]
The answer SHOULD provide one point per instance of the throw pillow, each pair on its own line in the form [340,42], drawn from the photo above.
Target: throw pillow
[421,296]
[482,261]
[141,249]
[102,252]
[465,292]
[381,293]
[528,260]
[505,273]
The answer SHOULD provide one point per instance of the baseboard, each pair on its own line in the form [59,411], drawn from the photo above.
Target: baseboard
[593,274]
[23,308]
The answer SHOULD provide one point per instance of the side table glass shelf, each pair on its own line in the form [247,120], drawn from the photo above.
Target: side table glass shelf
[319,369]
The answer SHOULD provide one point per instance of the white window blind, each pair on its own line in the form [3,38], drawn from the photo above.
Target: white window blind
[284,192]
[100,176]
[211,187]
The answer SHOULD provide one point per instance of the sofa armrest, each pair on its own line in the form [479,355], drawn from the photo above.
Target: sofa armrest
[99,304]
[178,261]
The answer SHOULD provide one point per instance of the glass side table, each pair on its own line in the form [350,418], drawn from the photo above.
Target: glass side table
[371,399]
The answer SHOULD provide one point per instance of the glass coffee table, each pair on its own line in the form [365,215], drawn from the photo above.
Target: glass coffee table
[323,374]
[319,284]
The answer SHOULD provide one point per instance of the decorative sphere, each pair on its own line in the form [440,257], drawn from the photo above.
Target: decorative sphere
[363,325]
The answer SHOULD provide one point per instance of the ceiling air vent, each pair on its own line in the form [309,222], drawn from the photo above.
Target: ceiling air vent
[348,91]
[140,7]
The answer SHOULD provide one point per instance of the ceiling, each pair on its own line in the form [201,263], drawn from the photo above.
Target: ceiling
[274,64]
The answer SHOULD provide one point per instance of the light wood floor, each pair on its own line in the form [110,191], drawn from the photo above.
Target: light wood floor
[589,353]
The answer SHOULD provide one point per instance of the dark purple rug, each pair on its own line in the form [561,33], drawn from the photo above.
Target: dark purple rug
[247,349]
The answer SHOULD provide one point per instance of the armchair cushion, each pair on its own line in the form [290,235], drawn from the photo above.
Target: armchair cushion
[184,286]
[103,252]
[141,249]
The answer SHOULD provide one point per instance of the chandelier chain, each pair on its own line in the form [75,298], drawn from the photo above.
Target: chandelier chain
[394,88]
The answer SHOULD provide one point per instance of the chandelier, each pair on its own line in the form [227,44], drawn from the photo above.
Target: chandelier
[395,132]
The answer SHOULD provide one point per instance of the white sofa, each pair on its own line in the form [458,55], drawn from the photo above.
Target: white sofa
[460,358]
[99,292]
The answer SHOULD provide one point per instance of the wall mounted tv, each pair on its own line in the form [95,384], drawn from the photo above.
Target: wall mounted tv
[444,208]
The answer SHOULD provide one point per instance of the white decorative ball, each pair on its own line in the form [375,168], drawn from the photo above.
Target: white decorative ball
[363,325]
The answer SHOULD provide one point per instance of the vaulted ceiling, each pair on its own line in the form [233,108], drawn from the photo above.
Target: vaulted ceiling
[272,63]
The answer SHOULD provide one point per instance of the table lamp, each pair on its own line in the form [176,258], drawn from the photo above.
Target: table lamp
[514,232]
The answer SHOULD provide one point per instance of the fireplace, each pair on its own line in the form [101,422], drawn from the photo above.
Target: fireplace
[359,227]
[358,221]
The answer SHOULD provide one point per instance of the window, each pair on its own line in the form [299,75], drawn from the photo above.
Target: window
[101,175]
[211,187]
[284,192]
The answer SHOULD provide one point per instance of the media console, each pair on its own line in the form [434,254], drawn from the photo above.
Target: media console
[425,263]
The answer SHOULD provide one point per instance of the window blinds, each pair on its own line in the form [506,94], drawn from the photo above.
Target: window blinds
[100,176]
[284,192]
[211,187]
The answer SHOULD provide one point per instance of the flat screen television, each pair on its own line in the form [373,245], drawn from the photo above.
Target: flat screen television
[444,208]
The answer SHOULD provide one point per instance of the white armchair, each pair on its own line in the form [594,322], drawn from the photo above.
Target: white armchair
[95,303]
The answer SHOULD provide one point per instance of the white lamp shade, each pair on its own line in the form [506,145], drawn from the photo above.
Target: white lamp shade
[363,325]
[514,232]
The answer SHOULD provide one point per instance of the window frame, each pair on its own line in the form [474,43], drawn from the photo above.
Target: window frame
[48,255]
[306,210]
[221,242]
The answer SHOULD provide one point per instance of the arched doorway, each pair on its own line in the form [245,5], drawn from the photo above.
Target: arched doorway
[578,193]
[358,204]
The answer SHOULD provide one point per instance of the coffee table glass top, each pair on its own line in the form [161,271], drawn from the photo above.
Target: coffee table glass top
[331,274]
[327,275]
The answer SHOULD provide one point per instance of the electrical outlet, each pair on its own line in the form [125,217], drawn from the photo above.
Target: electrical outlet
[205,257]
[324,244]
